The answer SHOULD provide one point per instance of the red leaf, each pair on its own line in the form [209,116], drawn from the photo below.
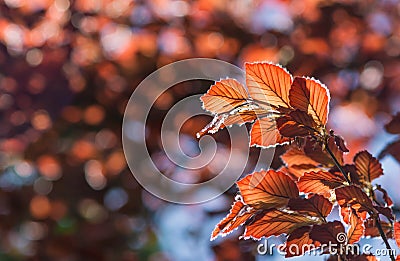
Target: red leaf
[367,166]
[275,222]
[264,133]
[354,197]
[295,124]
[335,150]
[267,189]
[364,257]
[224,96]
[317,153]
[339,141]
[299,242]
[356,230]
[372,230]
[315,205]
[311,96]
[397,232]
[268,83]
[327,233]
[394,125]
[320,182]
[387,212]
[385,196]
[392,149]
[237,216]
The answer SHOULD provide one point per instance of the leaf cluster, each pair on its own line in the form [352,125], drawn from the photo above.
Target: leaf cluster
[296,199]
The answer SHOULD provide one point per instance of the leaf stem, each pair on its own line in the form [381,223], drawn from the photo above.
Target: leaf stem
[337,162]
[383,236]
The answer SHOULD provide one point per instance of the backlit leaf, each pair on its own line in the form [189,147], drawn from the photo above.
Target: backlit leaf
[268,83]
[224,96]
[346,213]
[316,205]
[299,242]
[297,171]
[296,156]
[354,197]
[367,166]
[267,189]
[238,214]
[311,96]
[356,230]
[397,232]
[275,222]
[321,182]
[264,133]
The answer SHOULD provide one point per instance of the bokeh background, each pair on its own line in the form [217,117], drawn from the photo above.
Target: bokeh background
[68,68]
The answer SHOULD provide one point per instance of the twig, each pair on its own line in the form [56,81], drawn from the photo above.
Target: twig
[383,235]
[337,163]
[376,216]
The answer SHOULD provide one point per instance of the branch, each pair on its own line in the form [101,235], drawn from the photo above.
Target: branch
[337,162]
[383,235]
[376,216]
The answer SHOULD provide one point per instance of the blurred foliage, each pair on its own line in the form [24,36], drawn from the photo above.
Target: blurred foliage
[67,69]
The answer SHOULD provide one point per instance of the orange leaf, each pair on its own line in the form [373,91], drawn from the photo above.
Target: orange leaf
[297,171]
[299,242]
[311,96]
[238,214]
[224,96]
[315,205]
[320,182]
[367,166]
[267,189]
[264,133]
[397,232]
[354,197]
[268,83]
[295,156]
[346,212]
[356,230]
[275,222]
